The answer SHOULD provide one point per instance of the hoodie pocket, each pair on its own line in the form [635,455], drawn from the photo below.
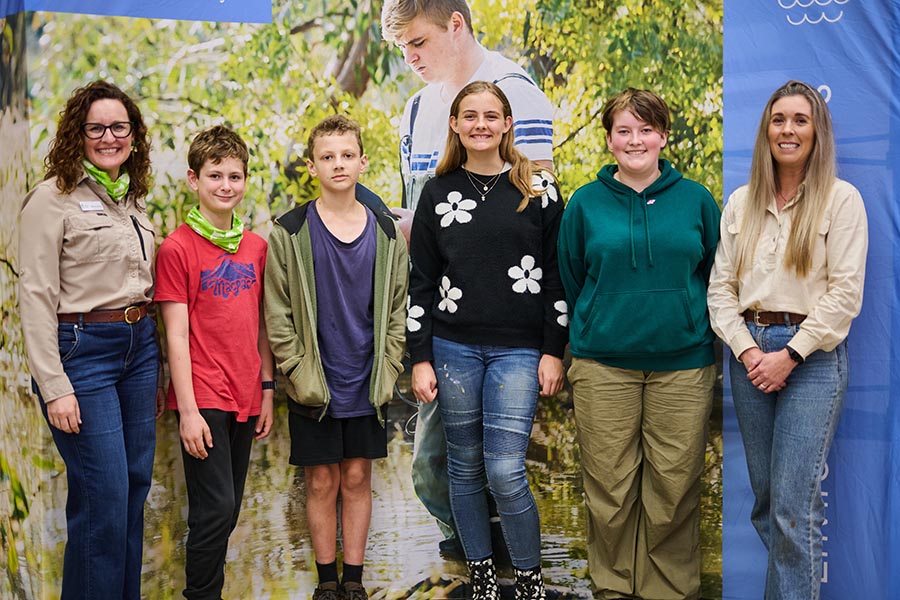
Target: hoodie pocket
[639,323]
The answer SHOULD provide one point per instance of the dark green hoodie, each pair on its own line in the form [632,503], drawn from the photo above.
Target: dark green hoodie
[635,267]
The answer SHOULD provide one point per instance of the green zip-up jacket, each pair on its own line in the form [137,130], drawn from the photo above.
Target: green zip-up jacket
[291,316]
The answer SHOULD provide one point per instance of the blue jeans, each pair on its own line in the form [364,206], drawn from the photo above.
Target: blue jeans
[487,396]
[113,368]
[786,437]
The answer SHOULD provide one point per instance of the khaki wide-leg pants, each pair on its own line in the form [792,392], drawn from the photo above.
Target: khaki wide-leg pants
[643,443]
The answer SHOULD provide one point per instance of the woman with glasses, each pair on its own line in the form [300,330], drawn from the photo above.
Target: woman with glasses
[86,249]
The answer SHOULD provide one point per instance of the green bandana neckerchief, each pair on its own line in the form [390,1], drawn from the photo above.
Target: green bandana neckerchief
[116,189]
[226,239]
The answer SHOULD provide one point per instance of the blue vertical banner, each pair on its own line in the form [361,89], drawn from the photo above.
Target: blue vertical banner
[848,50]
[231,11]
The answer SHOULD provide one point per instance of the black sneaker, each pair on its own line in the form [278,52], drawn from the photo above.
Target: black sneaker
[353,591]
[326,591]
[451,549]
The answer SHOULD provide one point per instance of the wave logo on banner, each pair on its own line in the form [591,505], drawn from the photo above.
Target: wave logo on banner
[813,12]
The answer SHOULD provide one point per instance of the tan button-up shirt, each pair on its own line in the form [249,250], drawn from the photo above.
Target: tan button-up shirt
[831,294]
[78,252]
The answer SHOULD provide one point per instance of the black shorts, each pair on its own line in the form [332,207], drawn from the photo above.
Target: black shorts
[331,440]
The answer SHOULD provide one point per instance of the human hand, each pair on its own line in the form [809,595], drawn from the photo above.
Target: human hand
[424,382]
[551,375]
[770,372]
[195,435]
[65,414]
[266,415]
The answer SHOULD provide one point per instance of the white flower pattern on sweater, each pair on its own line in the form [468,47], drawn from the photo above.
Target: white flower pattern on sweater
[526,276]
[563,309]
[455,209]
[543,182]
[449,296]
[413,312]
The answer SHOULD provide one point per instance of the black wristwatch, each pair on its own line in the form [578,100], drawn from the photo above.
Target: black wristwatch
[268,385]
[795,356]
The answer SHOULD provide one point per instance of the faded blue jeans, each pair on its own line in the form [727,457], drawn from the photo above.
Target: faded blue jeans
[786,437]
[113,368]
[487,396]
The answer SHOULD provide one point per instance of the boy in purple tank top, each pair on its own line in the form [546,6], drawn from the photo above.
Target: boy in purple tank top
[335,304]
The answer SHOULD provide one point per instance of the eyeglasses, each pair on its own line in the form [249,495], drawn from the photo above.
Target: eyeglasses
[95,131]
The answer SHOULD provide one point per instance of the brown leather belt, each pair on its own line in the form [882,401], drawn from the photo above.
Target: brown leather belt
[763,317]
[130,315]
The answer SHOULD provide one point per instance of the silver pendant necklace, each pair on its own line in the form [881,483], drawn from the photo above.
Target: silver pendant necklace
[485,187]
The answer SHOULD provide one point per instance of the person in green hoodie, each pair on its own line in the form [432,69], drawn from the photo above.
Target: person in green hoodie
[635,251]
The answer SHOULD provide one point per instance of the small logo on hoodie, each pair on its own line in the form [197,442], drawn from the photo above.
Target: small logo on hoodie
[651,201]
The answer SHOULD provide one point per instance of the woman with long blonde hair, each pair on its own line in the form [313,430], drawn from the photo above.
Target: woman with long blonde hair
[487,326]
[786,284]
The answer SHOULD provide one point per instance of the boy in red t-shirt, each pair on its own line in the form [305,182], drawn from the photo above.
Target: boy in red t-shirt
[209,284]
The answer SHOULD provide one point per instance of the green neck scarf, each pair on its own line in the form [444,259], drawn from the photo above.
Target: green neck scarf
[116,189]
[226,239]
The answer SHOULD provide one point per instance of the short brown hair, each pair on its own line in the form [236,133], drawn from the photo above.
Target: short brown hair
[333,125]
[214,145]
[396,15]
[644,104]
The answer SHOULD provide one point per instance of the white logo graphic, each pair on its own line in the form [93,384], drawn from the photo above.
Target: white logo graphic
[412,313]
[449,296]
[526,276]
[813,12]
[455,209]
[825,90]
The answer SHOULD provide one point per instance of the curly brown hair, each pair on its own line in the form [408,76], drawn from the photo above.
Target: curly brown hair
[67,149]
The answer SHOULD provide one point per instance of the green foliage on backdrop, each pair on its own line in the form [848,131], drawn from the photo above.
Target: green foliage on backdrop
[272,83]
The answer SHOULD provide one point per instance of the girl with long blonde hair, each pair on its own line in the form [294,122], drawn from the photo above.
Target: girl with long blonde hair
[487,326]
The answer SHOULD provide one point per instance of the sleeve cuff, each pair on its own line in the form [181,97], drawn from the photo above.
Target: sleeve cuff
[741,342]
[803,343]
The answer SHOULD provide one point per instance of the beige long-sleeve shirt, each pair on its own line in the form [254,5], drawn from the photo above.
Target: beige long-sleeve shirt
[78,252]
[830,295]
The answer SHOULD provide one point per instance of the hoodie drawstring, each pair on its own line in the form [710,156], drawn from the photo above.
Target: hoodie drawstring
[647,230]
[631,231]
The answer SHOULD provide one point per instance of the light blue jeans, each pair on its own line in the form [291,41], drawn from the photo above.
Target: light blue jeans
[487,397]
[786,437]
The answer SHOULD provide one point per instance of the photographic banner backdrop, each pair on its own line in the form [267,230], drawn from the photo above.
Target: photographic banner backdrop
[848,49]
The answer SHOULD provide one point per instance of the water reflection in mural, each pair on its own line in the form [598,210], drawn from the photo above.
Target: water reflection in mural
[271,555]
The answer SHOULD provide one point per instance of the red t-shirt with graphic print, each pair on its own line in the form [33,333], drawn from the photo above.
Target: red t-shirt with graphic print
[223,293]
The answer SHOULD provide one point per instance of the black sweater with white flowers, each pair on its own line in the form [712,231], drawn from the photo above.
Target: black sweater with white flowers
[483,273]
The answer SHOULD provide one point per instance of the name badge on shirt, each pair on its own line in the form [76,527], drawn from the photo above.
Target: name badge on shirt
[91,206]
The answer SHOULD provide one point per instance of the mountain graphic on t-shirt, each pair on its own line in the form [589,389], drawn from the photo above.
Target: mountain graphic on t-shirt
[228,278]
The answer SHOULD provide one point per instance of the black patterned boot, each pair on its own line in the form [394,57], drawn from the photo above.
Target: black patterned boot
[530,584]
[483,579]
